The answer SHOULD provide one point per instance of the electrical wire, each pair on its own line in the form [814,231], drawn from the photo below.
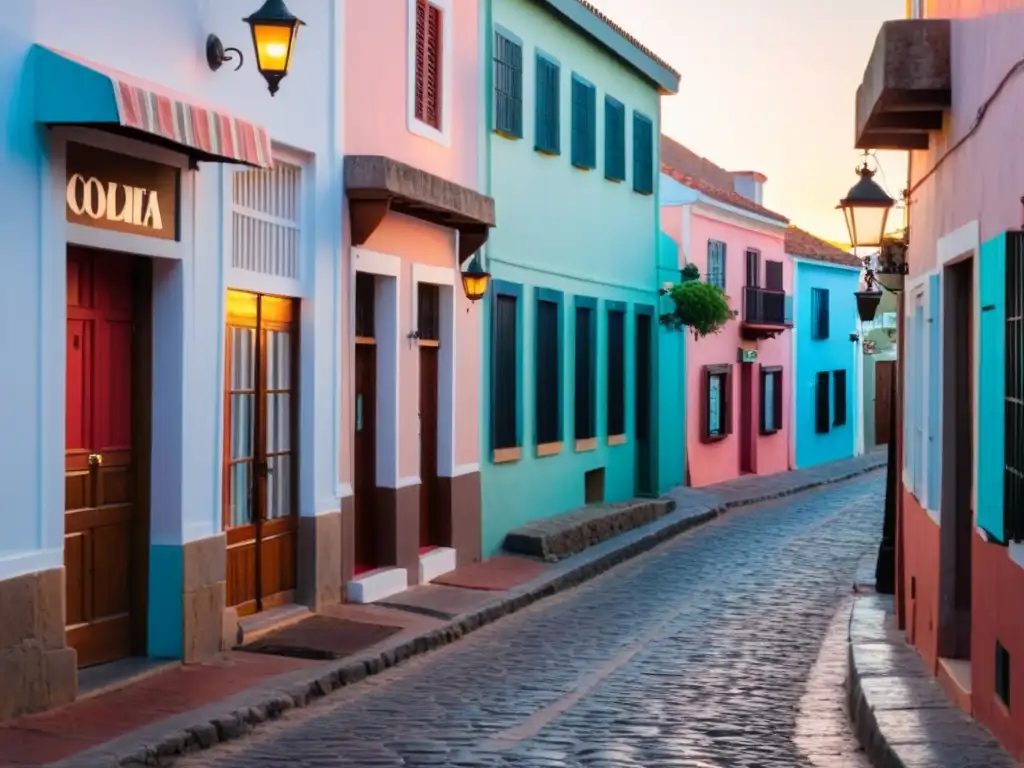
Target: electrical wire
[979,117]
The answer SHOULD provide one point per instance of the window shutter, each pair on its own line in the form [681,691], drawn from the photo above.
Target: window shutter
[821,403]
[614,140]
[643,154]
[773,275]
[584,383]
[839,384]
[429,26]
[1013,433]
[584,124]
[508,87]
[616,373]
[548,365]
[934,394]
[548,123]
[504,404]
[993,290]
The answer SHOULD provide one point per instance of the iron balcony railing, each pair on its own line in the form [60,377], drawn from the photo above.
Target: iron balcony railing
[762,306]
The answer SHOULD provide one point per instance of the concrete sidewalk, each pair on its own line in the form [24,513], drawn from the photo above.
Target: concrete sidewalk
[185,709]
[900,713]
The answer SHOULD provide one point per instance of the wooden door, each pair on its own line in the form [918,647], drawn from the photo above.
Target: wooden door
[747,419]
[643,394]
[261,472]
[429,524]
[365,459]
[105,511]
[884,372]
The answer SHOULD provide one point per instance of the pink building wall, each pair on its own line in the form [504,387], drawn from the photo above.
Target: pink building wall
[710,463]
[376,123]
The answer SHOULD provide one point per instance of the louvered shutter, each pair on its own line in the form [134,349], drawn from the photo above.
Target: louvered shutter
[643,154]
[773,275]
[584,124]
[614,139]
[548,363]
[508,86]
[548,124]
[429,28]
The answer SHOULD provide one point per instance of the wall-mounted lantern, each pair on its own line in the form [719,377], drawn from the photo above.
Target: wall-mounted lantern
[866,208]
[475,281]
[274,29]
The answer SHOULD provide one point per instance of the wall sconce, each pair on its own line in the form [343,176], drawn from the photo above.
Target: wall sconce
[274,29]
[475,280]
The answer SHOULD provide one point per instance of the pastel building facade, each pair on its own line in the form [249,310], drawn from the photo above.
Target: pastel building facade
[960,540]
[571,410]
[172,310]
[737,380]
[409,442]
[826,350]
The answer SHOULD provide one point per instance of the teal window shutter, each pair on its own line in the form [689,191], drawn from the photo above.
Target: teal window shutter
[508,86]
[614,139]
[934,393]
[643,154]
[584,123]
[548,128]
[992,386]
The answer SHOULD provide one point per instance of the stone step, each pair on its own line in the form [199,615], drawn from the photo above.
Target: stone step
[556,538]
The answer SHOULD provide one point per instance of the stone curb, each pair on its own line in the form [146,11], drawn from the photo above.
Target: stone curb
[241,721]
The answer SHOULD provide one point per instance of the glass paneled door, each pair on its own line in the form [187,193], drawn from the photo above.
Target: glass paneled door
[260,469]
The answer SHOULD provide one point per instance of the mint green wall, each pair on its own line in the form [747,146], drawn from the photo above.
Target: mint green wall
[571,231]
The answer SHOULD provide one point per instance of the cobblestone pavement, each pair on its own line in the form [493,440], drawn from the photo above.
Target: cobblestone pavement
[723,648]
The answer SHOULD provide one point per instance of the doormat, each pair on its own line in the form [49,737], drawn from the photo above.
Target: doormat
[321,638]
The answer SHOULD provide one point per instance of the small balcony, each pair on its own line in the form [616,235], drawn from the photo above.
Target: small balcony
[907,85]
[766,313]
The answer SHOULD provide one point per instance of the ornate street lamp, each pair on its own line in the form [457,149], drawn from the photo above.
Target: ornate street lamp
[866,208]
[274,29]
[475,281]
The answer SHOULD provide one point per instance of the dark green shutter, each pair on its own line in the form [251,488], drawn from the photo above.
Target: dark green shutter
[821,403]
[643,154]
[616,372]
[584,379]
[508,87]
[548,124]
[548,363]
[584,124]
[504,348]
[614,139]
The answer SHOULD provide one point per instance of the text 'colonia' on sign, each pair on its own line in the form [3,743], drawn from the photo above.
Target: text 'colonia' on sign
[114,202]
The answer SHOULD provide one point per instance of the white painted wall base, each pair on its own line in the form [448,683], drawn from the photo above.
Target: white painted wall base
[435,563]
[377,585]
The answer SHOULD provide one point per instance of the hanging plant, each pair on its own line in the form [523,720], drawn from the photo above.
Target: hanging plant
[699,306]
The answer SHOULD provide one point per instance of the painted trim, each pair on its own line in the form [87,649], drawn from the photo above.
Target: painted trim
[444,277]
[443,136]
[408,482]
[466,469]
[585,302]
[344,490]
[614,306]
[960,242]
[643,309]
[508,34]
[717,208]
[387,312]
[581,17]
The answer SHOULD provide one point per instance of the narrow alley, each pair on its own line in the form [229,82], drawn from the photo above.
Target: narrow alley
[702,653]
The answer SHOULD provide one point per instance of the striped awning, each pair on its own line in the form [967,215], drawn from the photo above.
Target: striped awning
[72,91]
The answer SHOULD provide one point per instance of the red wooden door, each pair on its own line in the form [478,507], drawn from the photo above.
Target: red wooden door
[261,470]
[747,418]
[100,499]
[430,532]
[365,459]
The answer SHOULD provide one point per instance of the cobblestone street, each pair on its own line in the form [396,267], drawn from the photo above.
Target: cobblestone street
[722,648]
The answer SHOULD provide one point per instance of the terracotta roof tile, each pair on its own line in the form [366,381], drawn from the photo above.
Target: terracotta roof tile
[807,246]
[628,37]
[722,195]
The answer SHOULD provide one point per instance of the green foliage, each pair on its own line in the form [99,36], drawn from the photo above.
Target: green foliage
[699,306]
[690,272]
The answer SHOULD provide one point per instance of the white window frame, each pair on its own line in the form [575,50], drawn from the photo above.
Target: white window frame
[414,125]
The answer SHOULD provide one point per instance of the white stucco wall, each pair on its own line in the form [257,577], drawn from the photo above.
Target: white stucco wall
[163,42]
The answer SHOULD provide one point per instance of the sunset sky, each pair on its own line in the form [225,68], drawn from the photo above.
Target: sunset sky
[769,85]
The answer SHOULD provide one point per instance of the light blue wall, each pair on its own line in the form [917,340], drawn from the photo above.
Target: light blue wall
[831,354]
[571,231]
[670,417]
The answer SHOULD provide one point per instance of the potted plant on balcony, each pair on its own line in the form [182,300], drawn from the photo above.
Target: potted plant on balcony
[697,305]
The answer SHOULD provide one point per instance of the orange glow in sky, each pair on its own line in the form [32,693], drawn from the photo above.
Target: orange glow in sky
[770,86]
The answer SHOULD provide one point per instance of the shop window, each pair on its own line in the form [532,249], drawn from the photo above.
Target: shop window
[771,399]
[716,413]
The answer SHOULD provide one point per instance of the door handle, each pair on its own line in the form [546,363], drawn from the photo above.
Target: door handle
[95,459]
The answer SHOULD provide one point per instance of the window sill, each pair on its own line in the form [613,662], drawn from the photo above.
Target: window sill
[613,180]
[547,152]
[769,432]
[616,439]
[507,455]
[586,168]
[365,340]
[712,438]
[428,343]
[548,449]
[507,135]
[586,444]
[429,132]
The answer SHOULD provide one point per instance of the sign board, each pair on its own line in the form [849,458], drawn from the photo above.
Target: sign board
[116,192]
[748,355]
